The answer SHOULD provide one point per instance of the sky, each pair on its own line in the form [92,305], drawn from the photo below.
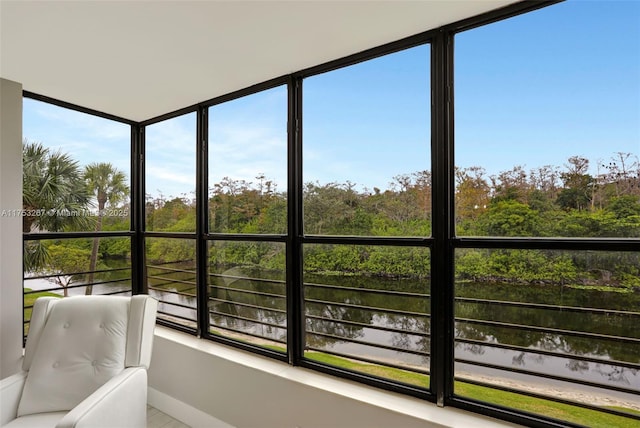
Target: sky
[531,91]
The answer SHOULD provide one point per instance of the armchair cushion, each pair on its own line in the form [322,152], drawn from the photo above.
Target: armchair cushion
[82,345]
[10,392]
[38,420]
[121,402]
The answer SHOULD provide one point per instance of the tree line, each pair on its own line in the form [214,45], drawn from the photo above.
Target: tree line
[548,201]
[59,195]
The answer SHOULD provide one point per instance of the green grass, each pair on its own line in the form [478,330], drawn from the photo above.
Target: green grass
[399,375]
[28,301]
[549,408]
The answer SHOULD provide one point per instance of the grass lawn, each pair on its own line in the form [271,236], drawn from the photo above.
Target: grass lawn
[565,412]
[549,408]
[28,303]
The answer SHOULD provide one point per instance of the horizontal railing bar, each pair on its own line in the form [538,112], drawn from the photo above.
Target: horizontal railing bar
[171,270]
[547,376]
[181,305]
[189,284]
[368,308]
[247,305]
[56,288]
[181,293]
[48,236]
[538,243]
[176,316]
[367,290]
[170,235]
[161,280]
[247,237]
[179,281]
[111,293]
[550,353]
[548,306]
[189,327]
[248,278]
[177,290]
[373,345]
[240,290]
[110,281]
[550,330]
[555,399]
[71,287]
[222,314]
[367,360]
[246,334]
[27,278]
[172,262]
[394,241]
[361,324]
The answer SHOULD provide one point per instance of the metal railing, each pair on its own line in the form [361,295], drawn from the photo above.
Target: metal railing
[109,287]
[175,289]
[497,367]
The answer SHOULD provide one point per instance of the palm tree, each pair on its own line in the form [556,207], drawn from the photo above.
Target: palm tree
[52,185]
[107,184]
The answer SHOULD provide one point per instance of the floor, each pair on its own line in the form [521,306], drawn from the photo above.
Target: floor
[157,419]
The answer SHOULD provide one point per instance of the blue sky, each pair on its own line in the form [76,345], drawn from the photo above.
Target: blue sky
[531,91]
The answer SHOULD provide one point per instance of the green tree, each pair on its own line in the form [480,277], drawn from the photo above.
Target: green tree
[53,195]
[578,185]
[65,262]
[512,218]
[472,193]
[107,184]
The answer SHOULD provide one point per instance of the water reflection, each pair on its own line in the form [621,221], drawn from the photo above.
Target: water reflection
[389,322]
[394,327]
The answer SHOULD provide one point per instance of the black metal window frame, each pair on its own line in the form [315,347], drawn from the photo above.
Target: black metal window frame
[443,243]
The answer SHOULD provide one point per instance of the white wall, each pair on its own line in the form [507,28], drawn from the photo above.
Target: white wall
[246,390]
[10,227]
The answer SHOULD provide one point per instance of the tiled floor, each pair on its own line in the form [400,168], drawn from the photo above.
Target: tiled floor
[157,419]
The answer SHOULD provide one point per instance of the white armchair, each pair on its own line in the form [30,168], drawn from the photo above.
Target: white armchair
[85,364]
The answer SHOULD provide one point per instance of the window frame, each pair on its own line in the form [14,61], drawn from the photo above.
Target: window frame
[442,244]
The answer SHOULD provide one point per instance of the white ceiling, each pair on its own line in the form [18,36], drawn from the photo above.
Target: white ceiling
[140,59]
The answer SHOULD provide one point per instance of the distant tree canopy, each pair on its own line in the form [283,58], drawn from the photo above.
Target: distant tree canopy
[544,202]
[549,201]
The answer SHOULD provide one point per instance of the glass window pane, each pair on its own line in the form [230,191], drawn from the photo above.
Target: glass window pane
[171,278]
[76,170]
[366,149]
[247,292]
[248,164]
[367,309]
[65,269]
[561,324]
[547,141]
[170,171]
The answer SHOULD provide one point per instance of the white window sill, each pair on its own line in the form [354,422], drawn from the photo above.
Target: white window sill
[405,405]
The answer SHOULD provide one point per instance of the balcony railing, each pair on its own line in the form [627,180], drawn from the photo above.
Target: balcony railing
[116,281]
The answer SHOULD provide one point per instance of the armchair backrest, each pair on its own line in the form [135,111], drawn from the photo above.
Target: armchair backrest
[77,344]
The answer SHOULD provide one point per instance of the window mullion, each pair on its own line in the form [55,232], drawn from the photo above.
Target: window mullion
[202,221]
[295,297]
[442,270]
[138,283]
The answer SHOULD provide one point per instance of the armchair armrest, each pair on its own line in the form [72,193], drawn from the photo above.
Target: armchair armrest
[10,393]
[121,402]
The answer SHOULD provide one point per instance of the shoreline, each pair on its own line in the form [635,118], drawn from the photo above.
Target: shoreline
[564,392]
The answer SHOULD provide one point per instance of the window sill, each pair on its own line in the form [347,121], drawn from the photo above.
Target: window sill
[298,380]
